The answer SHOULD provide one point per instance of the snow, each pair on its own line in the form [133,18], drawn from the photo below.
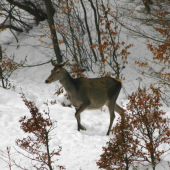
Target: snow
[80,150]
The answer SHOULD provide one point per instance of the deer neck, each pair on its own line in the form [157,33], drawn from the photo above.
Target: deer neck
[67,82]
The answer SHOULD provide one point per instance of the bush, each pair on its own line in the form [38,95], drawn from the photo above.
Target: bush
[39,127]
[139,137]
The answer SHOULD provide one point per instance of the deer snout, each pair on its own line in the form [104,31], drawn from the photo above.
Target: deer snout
[47,82]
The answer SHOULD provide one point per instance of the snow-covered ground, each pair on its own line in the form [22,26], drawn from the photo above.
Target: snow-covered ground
[80,150]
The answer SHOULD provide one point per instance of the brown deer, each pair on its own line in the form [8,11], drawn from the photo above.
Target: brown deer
[86,93]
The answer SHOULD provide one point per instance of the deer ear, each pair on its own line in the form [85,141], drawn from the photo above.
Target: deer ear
[53,62]
[65,64]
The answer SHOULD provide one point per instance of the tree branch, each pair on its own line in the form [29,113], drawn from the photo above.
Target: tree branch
[38,13]
[11,27]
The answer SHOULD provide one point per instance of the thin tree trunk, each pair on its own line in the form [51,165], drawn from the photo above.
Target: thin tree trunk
[88,31]
[147,7]
[72,36]
[50,13]
[48,151]
[97,24]
[1,75]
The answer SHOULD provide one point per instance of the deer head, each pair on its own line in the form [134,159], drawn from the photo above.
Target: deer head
[57,73]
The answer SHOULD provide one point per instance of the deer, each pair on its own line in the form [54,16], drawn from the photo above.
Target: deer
[88,93]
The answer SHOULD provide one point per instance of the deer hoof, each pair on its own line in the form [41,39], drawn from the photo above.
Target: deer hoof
[83,128]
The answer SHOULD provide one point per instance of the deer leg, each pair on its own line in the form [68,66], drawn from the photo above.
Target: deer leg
[77,115]
[78,121]
[111,107]
[120,110]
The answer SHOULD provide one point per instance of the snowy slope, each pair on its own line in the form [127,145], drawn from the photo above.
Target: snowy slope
[80,150]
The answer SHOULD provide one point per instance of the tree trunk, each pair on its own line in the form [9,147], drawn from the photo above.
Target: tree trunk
[147,7]
[50,13]
[1,75]
[96,20]
[88,31]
